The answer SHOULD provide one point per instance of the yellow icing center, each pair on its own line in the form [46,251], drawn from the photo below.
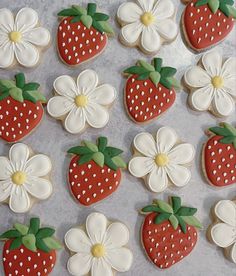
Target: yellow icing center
[15,36]
[18,178]
[217,82]
[98,250]
[147,18]
[81,101]
[162,160]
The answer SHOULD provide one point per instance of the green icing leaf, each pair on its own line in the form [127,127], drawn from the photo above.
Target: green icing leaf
[100,16]
[176,203]
[221,131]
[29,241]
[186,211]
[106,27]
[4,95]
[91,146]
[76,19]
[45,232]
[23,229]
[85,158]
[225,9]
[191,220]
[136,70]
[164,206]
[68,12]
[151,208]
[166,83]
[10,234]
[86,20]
[155,77]
[31,86]
[7,83]
[146,65]
[201,3]
[234,143]
[157,64]
[228,140]
[182,224]
[20,80]
[174,222]
[119,162]
[80,10]
[99,158]
[230,128]
[144,76]
[112,151]
[110,163]
[214,5]
[91,8]
[232,11]
[161,217]
[168,72]
[52,243]
[102,143]
[80,150]
[40,244]
[16,94]
[174,82]
[34,226]
[34,96]
[16,243]
[97,26]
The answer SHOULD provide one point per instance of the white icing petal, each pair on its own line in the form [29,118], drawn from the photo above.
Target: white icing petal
[96,225]
[197,77]
[75,121]
[164,9]
[229,86]
[3,38]
[65,86]
[202,98]
[19,154]
[150,40]
[178,175]
[229,68]
[233,253]
[166,138]
[38,165]
[131,32]
[97,116]
[59,106]
[157,180]
[100,268]
[19,200]
[38,187]
[225,210]
[104,94]
[87,81]
[223,234]
[223,103]
[6,55]
[168,29]
[79,264]
[38,36]
[212,62]
[26,54]
[129,12]
[6,20]
[120,259]
[182,154]
[147,6]
[77,241]
[6,169]
[117,235]
[145,144]
[5,189]
[141,166]
[26,19]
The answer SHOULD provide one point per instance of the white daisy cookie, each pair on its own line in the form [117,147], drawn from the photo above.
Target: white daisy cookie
[82,103]
[162,160]
[21,38]
[212,84]
[24,178]
[147,24]
[222,233]
[98,248]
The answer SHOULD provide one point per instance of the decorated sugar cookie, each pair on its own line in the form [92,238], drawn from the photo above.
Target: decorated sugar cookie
[24,178]
[212,84]
[94,171]
[29,250]
[22,38]
[207,22]
[162,160]
[149,90]
[147,24]
[21,108]
[98,247]
[169,232]
[82,34]
[222,232]
[82,103]
[219,156]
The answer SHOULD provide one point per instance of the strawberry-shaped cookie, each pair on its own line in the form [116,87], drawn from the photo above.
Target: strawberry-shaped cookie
[149,90]
[82,34]
[29,250]
[169,232]
[21,108]
[207,22]
[219,156]
[94,171]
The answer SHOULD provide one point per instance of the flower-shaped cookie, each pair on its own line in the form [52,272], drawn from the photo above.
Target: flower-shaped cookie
[223,232]
[161,161]
[212,85]
[19,36]
[22,178]
[83,103]
[147,24]
[100,249]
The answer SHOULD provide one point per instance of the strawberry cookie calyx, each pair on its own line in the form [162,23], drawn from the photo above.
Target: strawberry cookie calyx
[100,154]
[89,17]
[227,132]
[32,237]
[176,214]
[155,72]
[20,90]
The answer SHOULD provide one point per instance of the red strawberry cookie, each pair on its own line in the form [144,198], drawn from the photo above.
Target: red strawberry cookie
[94,171]
[149,90]
[207,22]
[219,156]
[21,108]
[29,250]
[169,232]
[82,34]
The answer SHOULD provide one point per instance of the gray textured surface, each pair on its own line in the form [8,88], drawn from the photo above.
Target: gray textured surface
[60,210]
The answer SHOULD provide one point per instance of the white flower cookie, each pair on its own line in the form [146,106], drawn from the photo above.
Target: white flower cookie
[147,24]
[23,178]
[20,37]
[212,84]
[98,248]
[223,232]
[83,103]
[162,161]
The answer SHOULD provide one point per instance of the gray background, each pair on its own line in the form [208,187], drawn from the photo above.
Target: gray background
[60,210]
